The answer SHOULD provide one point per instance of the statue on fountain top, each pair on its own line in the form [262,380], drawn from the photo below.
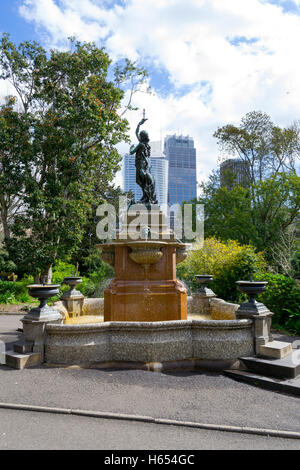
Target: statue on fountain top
[144,177]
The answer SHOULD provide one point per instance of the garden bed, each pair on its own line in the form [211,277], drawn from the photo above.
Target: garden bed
[21,309]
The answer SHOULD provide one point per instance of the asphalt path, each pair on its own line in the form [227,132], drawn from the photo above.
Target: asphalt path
[185,396]
[28,430]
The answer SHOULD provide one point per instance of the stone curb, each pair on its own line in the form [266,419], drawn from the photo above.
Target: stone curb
[148,326]
[149,419]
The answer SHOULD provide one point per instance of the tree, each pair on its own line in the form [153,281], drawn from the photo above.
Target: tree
[73,110]
[267,149]
[87,256]
[285,253]
[260,215]
[15,154]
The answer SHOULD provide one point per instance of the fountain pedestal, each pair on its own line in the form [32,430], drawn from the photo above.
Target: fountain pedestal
[257,311]
[34,322]
[73,299]
[202,297]
[145,288]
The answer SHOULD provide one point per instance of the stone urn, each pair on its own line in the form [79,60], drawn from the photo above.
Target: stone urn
[203,280]
[252,289]
[72,281]
[43,292]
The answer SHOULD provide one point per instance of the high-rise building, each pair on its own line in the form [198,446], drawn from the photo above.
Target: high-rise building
[181,155]
[234,172]
[159,169]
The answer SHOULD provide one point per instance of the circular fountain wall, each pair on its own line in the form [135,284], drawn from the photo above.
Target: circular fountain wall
[149,342]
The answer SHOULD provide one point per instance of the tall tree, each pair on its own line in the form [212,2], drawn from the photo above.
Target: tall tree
[266,148]
[74,113]
[15,157]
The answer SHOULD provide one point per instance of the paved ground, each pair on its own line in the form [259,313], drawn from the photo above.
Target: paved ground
[190,396]
[8,329]
[43,431]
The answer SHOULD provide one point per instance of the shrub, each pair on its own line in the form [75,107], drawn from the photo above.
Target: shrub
[227,261]
[293,322]
[62,270]
[94,285]
[282,297]
[6,264]
[14,292]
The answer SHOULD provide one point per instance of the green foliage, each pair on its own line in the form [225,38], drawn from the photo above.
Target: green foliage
[296,264]
[61,270]
[14,292]
[259,215]
[266,148]
[87,256]
[6,264]
[93,283]
[282,297]
[293,322]
[58,145]
[227,261]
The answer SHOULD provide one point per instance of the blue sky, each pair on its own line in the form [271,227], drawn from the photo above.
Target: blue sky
[210,61]
[12,22]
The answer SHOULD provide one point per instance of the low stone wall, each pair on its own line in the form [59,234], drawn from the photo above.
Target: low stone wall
[146,342]
[61,309]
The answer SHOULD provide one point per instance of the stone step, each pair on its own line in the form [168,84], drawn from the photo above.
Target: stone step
[21,361]
[279,385]
[288,367]
[23,347]
[275,349]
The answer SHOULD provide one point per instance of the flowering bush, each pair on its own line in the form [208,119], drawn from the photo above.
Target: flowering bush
[227,261]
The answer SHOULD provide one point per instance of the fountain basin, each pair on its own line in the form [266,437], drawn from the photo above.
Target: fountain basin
[148,342]
[146,252]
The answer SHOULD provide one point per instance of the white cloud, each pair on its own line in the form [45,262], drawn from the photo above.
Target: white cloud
[194,41]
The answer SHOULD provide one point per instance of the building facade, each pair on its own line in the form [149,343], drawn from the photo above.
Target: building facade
[180,152]
[234,172]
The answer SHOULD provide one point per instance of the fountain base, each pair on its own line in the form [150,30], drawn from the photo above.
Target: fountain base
[139,301]
[148,342]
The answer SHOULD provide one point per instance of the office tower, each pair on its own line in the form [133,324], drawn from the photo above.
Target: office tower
[181,155]
[159,169]
[234,172]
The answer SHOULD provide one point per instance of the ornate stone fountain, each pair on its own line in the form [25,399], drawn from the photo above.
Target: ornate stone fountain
[145,305]
[145,287]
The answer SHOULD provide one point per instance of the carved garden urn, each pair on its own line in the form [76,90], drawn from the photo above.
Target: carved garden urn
[43,312]
[252,289]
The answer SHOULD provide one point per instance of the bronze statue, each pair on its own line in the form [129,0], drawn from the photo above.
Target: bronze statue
[144,177]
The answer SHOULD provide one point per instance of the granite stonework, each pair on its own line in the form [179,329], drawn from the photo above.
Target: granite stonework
[221,310]
[148,342]
[93,306]
[275,349]
[34,332]
[200,303]
[221,339]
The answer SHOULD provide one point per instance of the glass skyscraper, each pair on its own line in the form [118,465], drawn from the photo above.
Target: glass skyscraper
[159,169]
[181,155]
[233,172]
